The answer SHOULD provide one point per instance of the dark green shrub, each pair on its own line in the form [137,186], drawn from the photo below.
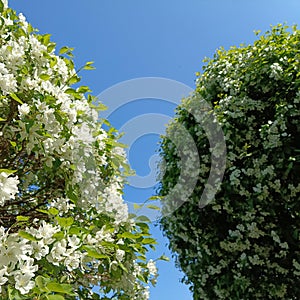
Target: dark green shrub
[245,244]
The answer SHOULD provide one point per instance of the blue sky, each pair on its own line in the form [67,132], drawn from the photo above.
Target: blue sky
[129,39]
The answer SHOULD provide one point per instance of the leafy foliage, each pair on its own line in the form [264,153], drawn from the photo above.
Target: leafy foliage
[245,244]
[64,226]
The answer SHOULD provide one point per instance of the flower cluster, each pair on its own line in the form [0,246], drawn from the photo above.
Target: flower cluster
[8,186]
[246,243]
[64,226]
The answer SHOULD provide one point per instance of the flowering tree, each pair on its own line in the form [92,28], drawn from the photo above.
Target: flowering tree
[245,244]
[64,226]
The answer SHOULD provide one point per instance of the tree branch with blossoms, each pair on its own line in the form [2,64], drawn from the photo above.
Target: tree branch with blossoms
[64,226]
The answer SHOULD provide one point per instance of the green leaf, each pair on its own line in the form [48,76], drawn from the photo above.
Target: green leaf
[53,211]
[123,267]
[99,106]
[165,258]
[137,206]
[72,195]
[16,98]
[53,60]
[41,281]
[59,235]
[2,120]
[9,48]
[44,77]
[88,66]
[59,288]
[129,235]
[27,236]
[46,39]
[7,171]
[94,253]
[55,297]
[76,230]
[153,198]
[149,241]
[65,49]
[22,219]
[74,93]
[14,144]
[29,125]
[144,227]
[50,48]
[142,278]
[142,257]
[83,89]
[65,222]
[151,206]
[1,6]
[13,294]
[143,219]
[73,80]
[30,29]
[152,247]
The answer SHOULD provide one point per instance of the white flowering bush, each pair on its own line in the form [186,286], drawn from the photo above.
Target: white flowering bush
[245,244]
[64,227]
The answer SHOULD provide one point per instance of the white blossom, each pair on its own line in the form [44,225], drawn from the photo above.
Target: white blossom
[120,255]
[8,187]
[152,267]
[24,283]
[24,109]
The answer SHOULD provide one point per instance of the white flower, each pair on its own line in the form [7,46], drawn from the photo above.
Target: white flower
[23,20]
[8,83]
[84,133]
[5,3]
[119,151]
[24,109]
[62,204]
[58,252]
[46,232]
[37,48]
[120,254]
[73,242]
[12,250]
[26,266]
[276,71]
[40,250]
[103,235]
[24,283]
[3,279]
[62,68]
[152,267]
[8,187]
[72,261]
[146,293]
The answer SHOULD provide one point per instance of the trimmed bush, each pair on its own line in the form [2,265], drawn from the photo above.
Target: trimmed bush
[245,244]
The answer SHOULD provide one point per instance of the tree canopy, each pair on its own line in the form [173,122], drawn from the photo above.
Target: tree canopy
[64,227]
[245,242]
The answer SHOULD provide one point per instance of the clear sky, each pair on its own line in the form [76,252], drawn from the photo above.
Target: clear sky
[129,39]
